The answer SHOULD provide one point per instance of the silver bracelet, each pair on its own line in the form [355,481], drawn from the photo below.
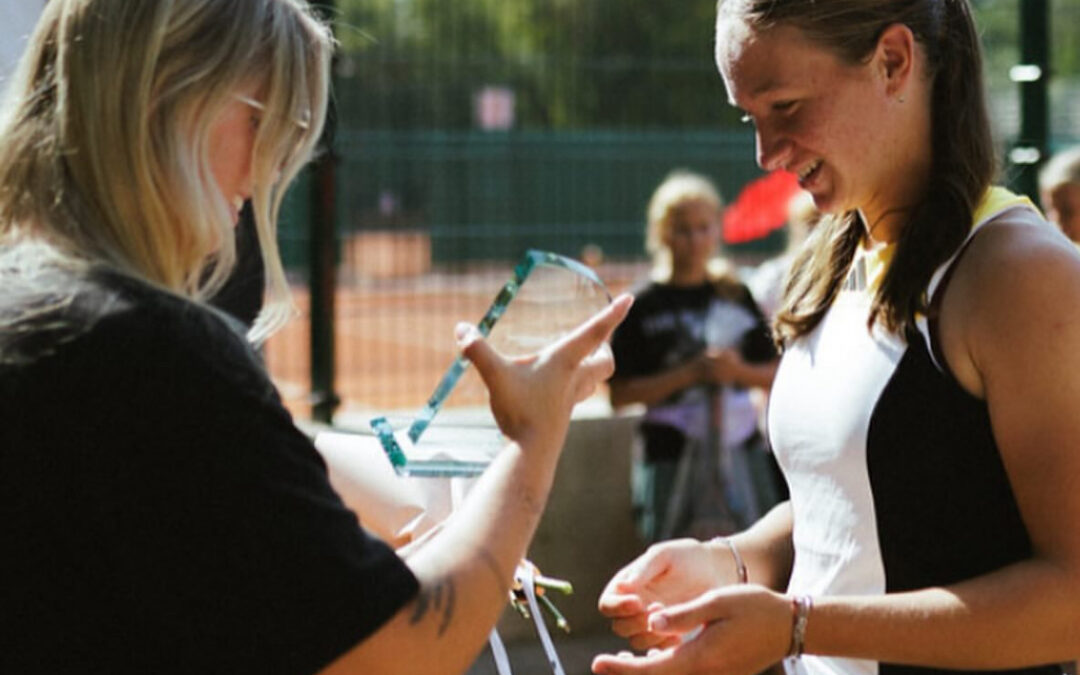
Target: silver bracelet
[800,613]
[740,566]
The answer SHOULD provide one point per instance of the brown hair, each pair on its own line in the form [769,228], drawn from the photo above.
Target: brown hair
[962,161]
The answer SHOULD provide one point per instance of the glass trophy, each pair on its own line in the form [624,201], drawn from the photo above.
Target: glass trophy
[548,296]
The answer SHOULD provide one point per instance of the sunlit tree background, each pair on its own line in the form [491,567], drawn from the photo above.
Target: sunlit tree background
[575,64]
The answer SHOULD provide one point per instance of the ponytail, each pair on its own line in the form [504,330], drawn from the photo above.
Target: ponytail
[961,171]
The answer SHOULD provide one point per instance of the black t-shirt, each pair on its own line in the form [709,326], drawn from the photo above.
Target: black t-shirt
[670,325]
[159,511]
[242,294]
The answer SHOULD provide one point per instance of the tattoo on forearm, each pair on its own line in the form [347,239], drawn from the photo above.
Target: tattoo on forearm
[439,597]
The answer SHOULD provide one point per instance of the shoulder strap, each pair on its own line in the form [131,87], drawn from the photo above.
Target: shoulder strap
[995,205]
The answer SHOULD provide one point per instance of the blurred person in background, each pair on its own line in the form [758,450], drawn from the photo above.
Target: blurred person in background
[768,280]
[690,350]
[1059,191]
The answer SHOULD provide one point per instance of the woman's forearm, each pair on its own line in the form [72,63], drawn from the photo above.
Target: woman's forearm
[759,375]
[767,549]
[465,574]
[652,389]
[1022,615]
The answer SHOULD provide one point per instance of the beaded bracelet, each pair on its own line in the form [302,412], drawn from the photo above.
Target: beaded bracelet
[740,566]
[800,613]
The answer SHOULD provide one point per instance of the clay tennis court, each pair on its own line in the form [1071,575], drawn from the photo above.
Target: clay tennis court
[394,337]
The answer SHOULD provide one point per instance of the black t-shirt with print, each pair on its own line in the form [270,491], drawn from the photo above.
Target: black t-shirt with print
[670,325]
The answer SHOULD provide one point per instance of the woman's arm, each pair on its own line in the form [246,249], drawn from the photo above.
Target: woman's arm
[677,571]
[720,367]
[652,389]
[767,549]
[466,570]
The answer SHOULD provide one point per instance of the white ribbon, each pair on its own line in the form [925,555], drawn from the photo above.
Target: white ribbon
[524,576]
[498,650]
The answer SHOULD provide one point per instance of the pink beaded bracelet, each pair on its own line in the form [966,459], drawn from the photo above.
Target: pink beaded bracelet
[800,613]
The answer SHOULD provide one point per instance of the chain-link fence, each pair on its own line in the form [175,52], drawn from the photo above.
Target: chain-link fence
[469,131]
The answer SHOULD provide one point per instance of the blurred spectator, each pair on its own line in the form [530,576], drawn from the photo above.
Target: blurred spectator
[1059,191]
[592,255]
[691,348]
[767,280]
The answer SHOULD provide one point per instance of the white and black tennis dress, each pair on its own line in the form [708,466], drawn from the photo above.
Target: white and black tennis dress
[896,481]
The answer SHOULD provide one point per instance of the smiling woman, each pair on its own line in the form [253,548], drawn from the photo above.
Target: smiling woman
[816,114]
[923,411]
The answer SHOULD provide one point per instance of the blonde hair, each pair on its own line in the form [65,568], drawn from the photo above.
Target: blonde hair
[104,137]
[679,188]
[1062,169]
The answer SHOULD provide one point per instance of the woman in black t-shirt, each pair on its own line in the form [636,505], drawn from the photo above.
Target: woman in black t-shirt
[690,350]
[161,512]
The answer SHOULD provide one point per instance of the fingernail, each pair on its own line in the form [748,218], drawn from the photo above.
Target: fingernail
[465,333]
[658,622]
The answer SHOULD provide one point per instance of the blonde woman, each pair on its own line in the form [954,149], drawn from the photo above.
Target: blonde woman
[161,513]
[690,350]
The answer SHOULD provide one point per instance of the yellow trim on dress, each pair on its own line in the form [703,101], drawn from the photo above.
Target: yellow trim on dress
[996,200]
[876,261]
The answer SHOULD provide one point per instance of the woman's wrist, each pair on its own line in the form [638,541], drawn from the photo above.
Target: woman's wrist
[698,370]
[800,618]
[734,565]
[533,468]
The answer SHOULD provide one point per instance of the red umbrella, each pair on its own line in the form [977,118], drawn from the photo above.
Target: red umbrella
[761,207]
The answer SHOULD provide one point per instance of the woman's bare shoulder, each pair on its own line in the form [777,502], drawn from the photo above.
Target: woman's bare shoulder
[1019,257]
[1015,289]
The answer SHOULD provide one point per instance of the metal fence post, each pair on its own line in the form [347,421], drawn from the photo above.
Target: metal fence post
[1032,75]
[321,263]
